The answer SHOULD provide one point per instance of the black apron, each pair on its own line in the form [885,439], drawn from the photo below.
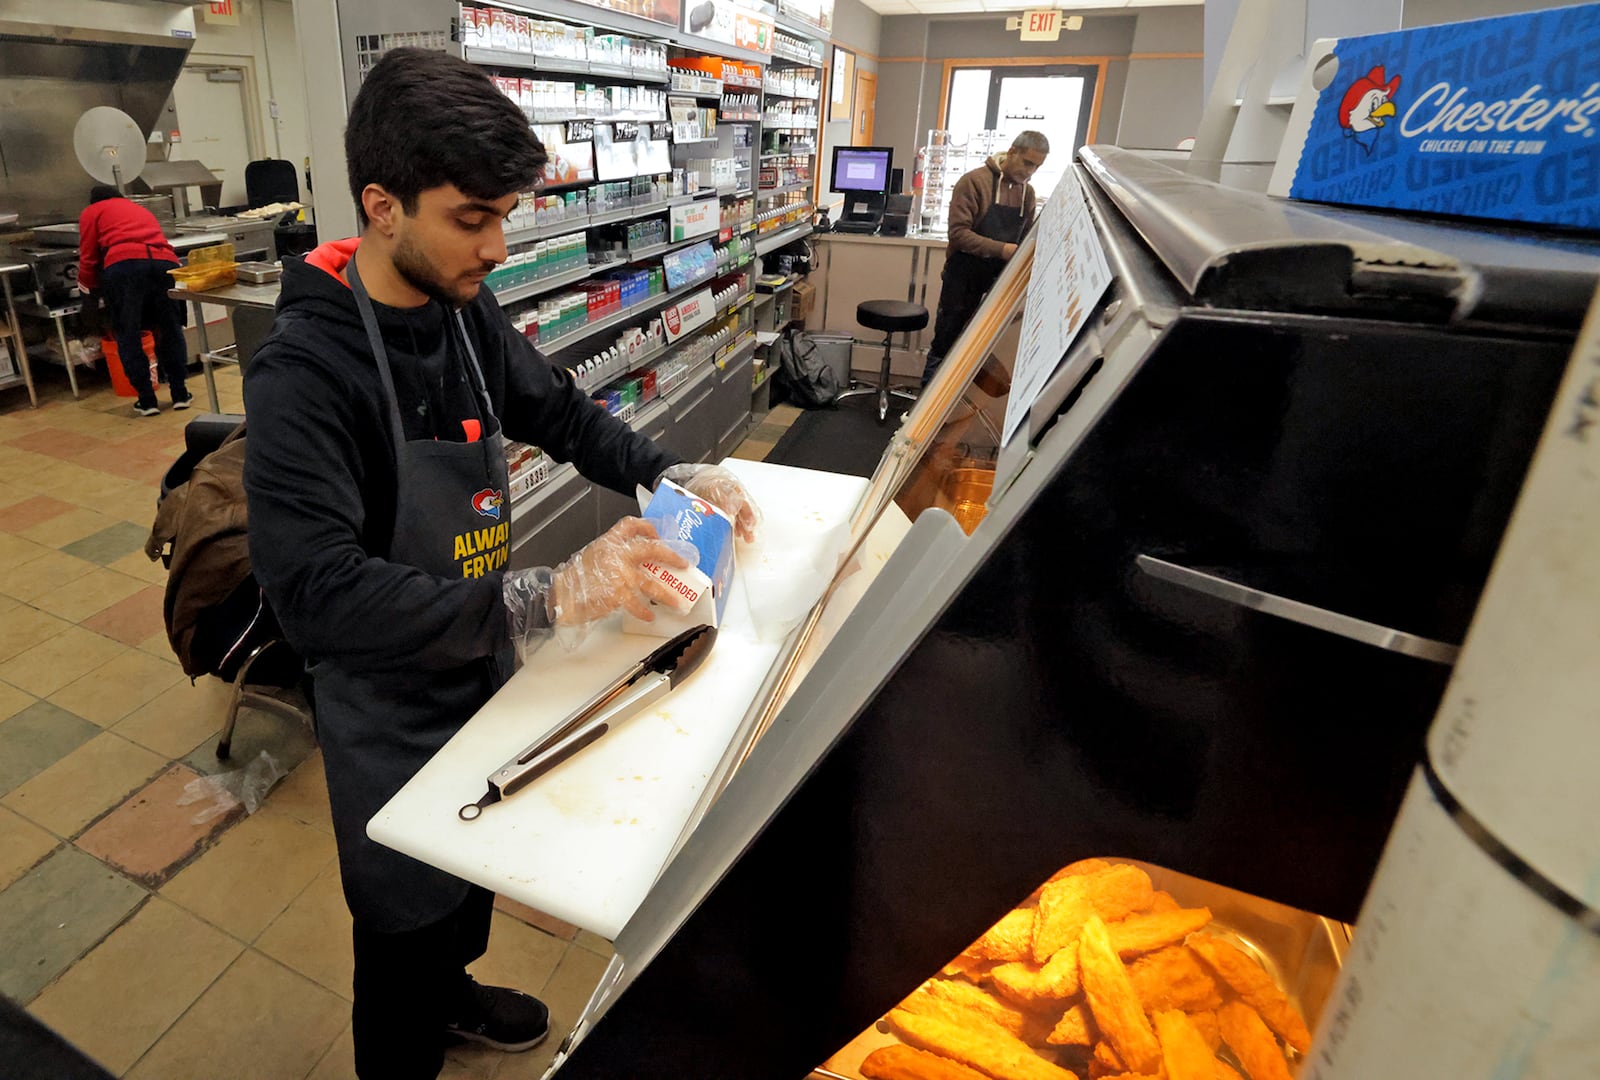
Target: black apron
[452,519]
[968,278]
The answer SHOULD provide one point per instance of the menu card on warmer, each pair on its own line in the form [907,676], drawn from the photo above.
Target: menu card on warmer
[1069,276]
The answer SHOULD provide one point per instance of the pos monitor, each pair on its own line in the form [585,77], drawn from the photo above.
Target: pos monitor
[861,174]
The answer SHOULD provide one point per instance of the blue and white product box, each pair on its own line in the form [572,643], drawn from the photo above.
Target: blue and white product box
[1495,118]
[679,514]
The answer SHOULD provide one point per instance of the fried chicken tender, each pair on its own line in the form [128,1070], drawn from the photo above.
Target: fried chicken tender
[1034,984]
[906,1063]
[1145,933]
[1065,905]
[959,1002]
[1105,1061]
[981,1046]
[1184,1054]
[1206,1024]
[1174,978]
[1256,988]
[1227,1072]
[968,967]
[1134,1076]
[1082,866]
[1075,1028]
[1163,902]
[1009,939]
[1117,1011]
[1254,1046]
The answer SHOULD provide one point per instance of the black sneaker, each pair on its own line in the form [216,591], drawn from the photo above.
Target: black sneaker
[151,409]
[505,1019]
[180,404]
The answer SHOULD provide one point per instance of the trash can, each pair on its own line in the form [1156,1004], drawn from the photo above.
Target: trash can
[834,351]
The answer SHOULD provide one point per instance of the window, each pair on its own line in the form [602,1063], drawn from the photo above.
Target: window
[1056,99]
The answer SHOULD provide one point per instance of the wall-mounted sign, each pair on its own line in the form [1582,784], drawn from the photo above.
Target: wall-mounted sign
[688,314]
[222,13]
[661,11]
[1494,118]
[730,24]
[695,219]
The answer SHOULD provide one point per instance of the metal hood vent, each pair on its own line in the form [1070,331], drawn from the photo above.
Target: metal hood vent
[121,55]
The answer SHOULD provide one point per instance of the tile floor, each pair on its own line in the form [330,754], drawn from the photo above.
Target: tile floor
[175,938]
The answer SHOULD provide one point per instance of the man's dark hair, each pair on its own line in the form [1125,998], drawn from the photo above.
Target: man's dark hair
[424,119]
[102,192]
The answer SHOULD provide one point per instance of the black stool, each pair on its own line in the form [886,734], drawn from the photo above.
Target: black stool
[892,317]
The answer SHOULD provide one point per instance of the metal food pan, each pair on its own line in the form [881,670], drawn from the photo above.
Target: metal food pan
[1301,951]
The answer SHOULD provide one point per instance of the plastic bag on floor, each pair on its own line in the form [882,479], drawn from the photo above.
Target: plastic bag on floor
[224,792]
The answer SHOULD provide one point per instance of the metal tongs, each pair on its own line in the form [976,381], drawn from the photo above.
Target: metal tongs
[641,685]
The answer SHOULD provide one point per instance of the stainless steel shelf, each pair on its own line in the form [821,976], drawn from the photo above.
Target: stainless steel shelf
[616,318]
[552,64]
[776,240]
[671,245]
[544,232]
[545,284]
[784,189]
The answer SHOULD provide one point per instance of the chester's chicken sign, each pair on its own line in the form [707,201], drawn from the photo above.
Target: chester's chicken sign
[1495,118]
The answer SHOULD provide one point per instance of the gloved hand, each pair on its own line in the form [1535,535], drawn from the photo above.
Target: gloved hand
[606,575]
[723,490]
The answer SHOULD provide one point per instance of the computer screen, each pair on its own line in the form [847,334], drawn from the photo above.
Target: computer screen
[862,168]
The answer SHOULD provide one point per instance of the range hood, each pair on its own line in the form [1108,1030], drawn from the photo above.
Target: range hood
[59,59]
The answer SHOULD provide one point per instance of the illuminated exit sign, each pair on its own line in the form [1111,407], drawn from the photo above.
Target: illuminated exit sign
[1044,24]
[1041,25]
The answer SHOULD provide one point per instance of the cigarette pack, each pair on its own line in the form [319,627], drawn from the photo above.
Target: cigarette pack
[681,515]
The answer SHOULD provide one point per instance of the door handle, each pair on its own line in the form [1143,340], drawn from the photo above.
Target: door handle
[1333,622]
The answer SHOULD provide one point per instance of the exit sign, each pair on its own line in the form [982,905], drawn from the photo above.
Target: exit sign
[223,12]
[1041,25]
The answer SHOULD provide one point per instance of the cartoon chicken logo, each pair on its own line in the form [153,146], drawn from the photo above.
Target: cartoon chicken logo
[1367,106]
[488,502]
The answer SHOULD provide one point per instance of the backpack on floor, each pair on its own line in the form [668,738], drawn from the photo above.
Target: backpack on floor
[803,376]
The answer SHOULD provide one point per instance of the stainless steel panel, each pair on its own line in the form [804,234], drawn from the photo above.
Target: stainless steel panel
[1333,622]
[61,59]
[558,522]
[730,404]
[1234,248]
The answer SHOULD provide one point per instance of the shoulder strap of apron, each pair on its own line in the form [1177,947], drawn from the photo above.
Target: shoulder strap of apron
[475,370]
[369,320]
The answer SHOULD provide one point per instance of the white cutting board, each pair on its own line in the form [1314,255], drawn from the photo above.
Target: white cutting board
[586,841]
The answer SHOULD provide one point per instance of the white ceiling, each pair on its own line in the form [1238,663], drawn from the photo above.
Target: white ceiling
[967,7]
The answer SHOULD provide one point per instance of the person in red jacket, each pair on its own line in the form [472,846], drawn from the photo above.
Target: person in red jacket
[124,256]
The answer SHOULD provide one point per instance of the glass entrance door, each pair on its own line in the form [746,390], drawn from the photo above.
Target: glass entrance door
[1057,99]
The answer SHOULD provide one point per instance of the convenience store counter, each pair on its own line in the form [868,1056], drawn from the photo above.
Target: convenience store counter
[852,268]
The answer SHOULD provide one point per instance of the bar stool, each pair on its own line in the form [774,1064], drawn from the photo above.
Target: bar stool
[892,317]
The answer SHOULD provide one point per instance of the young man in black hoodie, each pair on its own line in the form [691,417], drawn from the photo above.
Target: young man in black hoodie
[377,409]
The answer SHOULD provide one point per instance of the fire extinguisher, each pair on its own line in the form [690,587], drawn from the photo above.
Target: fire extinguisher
[916,176]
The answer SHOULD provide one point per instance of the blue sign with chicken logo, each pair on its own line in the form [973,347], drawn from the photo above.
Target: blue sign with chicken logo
[1496,118]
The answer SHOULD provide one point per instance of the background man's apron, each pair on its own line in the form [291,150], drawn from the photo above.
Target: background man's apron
[452,518]
[968,278]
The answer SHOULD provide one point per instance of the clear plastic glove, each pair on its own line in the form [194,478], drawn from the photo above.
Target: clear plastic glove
[606,575]
[723,490]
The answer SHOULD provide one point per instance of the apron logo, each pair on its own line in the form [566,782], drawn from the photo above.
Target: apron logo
[487,502]
[1367,105]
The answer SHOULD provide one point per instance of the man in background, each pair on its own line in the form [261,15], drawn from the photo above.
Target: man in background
[124,256]
[990,210]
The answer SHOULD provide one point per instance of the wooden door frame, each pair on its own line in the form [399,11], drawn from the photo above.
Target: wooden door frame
[855,110]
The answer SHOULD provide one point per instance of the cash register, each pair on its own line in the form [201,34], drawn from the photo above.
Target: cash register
[861,175]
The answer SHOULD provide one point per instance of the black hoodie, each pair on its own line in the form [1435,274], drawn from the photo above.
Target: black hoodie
[320,475]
